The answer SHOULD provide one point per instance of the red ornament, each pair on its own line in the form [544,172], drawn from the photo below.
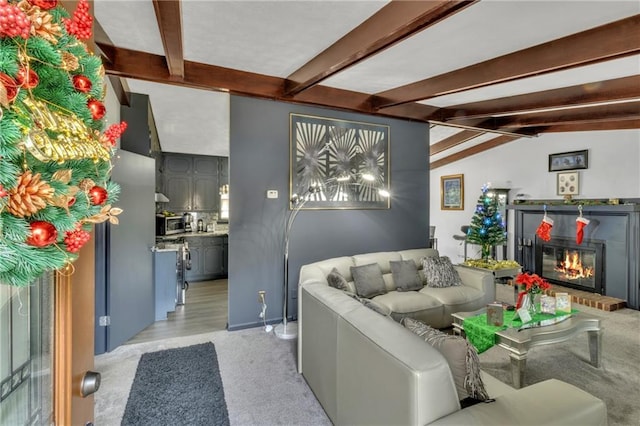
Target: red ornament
[42,234]
[13,21]
[74,240]
[10,86]
[81,83]
[72,201]
[80,24]
[27,79]
[3,192]
[97,108]
[114,132]
[98,195]
[44,4]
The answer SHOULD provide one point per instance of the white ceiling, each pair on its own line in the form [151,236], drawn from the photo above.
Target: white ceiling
[275,38]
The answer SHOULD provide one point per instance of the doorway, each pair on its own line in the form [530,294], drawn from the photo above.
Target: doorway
[205,310]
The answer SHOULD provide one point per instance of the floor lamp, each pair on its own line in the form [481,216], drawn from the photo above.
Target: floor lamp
[286,329]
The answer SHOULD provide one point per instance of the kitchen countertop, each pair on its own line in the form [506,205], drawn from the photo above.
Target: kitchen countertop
[193,234]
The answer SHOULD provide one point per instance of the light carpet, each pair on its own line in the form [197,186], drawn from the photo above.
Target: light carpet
[262,386]
[258,370]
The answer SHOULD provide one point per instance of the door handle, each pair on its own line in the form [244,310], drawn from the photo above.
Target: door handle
[90,383]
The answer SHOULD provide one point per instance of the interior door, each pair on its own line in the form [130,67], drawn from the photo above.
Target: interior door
[129,265]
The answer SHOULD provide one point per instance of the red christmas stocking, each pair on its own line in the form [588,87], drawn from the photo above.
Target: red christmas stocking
[581,222]
[544,230]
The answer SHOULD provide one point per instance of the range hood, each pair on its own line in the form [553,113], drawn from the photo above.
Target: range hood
[161,198]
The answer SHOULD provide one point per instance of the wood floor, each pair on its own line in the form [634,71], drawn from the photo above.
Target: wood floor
[205,310]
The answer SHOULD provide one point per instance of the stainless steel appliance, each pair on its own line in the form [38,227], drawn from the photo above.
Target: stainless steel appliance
[169,225]
[187,219]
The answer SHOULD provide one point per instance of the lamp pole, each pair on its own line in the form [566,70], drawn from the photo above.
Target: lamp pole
[286,329]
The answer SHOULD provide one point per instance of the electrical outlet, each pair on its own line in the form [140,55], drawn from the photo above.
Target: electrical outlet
[261,296]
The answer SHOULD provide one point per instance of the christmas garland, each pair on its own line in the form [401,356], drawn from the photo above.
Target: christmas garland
[55,158]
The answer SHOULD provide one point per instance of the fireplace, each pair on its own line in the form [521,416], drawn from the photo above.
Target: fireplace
[562,261]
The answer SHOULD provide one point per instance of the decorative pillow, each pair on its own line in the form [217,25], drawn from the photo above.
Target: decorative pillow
[368,280]
[439,272]
[405,275]
[336,280]
[460,355]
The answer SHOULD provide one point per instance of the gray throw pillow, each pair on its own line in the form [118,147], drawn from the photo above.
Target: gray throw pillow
[368,280]
[439,272]
[336,280]
[461,356]
[405,275]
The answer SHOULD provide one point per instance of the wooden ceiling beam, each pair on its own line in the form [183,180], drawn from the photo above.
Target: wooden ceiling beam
[169,17]
[393,23]
[603,113]
[490,144]
[606,42]
[633,123]
[583,94]
[453,140]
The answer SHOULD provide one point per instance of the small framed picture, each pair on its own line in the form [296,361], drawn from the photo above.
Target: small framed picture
[568,183]
[452,192]
[573,160]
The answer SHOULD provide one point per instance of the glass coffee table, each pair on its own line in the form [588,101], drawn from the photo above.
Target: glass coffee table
[518,343]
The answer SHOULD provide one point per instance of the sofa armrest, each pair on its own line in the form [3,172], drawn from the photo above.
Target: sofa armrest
[479,279]
[551,402]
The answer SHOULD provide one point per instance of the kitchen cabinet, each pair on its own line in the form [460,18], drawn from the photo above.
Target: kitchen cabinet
[208,258]
[191,182]
[164,277]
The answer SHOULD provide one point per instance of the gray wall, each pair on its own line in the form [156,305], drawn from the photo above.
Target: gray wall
[259,160]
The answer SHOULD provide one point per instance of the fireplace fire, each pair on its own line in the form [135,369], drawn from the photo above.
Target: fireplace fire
[563,262]
[572,268]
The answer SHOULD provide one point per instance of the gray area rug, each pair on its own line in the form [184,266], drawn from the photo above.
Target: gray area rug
[177,387]
[616,382]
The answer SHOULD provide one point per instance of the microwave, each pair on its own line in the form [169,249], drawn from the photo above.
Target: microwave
[169,225]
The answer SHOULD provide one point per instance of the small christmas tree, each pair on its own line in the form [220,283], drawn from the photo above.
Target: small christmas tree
[487,226]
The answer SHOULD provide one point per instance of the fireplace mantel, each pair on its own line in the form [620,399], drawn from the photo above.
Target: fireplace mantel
[615,225]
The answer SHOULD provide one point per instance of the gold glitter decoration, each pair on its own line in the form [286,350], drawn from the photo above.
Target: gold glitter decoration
[74,140]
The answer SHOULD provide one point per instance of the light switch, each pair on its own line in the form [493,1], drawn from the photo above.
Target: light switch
[272,193]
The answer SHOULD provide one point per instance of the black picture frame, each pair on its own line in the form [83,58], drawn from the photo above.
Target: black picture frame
[573,160]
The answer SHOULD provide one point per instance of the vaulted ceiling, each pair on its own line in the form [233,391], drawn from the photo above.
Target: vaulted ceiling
[483,73]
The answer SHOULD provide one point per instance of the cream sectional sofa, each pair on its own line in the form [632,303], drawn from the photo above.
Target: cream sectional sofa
[367,369]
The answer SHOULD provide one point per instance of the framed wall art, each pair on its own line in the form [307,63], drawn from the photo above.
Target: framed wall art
[452,192]
[573,160]
[346,163]
[568,183]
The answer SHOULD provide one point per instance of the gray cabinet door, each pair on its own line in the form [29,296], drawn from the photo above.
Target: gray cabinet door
[204,165]
[178,164]
[179,190]
[213,260]
[205,193]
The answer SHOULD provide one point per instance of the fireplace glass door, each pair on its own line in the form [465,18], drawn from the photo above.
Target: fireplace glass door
[566,263]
